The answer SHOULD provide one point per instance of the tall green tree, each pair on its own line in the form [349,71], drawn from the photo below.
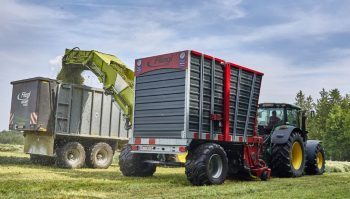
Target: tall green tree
[337,138]
[334,97]
[300,99]
[307,104]
[322,109]
[331,124]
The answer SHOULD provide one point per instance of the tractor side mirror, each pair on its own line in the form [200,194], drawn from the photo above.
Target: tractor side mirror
[312,114]
[303,121]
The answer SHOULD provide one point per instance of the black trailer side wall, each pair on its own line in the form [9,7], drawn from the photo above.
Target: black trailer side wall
[177,95]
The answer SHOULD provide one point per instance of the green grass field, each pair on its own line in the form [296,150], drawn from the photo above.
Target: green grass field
[21,179]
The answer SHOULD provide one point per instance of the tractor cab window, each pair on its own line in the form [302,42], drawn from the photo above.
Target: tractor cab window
[293,117]
[270,117]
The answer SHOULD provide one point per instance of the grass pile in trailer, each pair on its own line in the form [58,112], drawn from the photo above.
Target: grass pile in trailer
[71,75]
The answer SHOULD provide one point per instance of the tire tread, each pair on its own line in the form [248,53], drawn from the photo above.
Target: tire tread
[280,160]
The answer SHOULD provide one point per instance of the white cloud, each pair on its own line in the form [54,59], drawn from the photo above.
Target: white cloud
[226,9]
[315,23]
[282,79]
[32,36]
[56,61]
[14,13]
[56,65]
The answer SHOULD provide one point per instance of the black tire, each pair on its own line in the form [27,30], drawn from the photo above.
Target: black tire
[99,156]
[132,164]
[207,165]
[71,155]
[315,159]
[42,160]
[282,160]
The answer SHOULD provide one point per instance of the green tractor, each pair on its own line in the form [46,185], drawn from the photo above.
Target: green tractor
[287,150]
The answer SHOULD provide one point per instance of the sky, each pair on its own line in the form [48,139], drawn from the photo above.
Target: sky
[298,45]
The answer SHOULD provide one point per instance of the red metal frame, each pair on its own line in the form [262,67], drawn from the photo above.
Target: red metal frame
[226,121]
[208,56]
[226,116]
[196,53]
[245,68]
[252,159]
[252,152]
[219,60]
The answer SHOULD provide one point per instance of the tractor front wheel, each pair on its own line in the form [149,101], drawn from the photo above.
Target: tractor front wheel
[207,165]
[288,159]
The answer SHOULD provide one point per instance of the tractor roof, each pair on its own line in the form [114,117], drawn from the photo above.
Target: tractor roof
[278,105]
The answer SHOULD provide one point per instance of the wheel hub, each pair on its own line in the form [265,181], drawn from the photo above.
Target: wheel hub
[101,156]
[73,156]
[215,166]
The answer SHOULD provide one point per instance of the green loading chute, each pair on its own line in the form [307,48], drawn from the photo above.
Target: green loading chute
[117,78]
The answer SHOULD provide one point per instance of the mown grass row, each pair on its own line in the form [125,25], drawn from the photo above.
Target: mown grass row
[331,166]
[11,137]
[19,178]
[337,166]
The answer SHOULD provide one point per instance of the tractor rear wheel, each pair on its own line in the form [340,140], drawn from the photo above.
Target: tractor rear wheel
[315,160]
[99,155]
[288,159]
[133,164]
[207,165]
[71,155]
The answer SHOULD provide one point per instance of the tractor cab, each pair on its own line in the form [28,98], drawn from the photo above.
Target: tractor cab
[272,115]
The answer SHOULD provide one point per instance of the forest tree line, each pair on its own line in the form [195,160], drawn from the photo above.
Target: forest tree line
[330,123]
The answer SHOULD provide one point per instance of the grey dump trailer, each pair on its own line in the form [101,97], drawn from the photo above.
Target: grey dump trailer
[70,125]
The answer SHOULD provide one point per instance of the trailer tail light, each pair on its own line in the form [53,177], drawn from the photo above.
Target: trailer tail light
[182,149]
[134,147]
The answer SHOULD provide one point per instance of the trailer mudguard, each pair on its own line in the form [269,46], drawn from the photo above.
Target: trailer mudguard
[281,134]
[39,143]
[311,146]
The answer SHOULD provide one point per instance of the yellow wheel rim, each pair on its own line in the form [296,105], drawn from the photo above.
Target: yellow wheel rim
[297,155]
[319,159]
